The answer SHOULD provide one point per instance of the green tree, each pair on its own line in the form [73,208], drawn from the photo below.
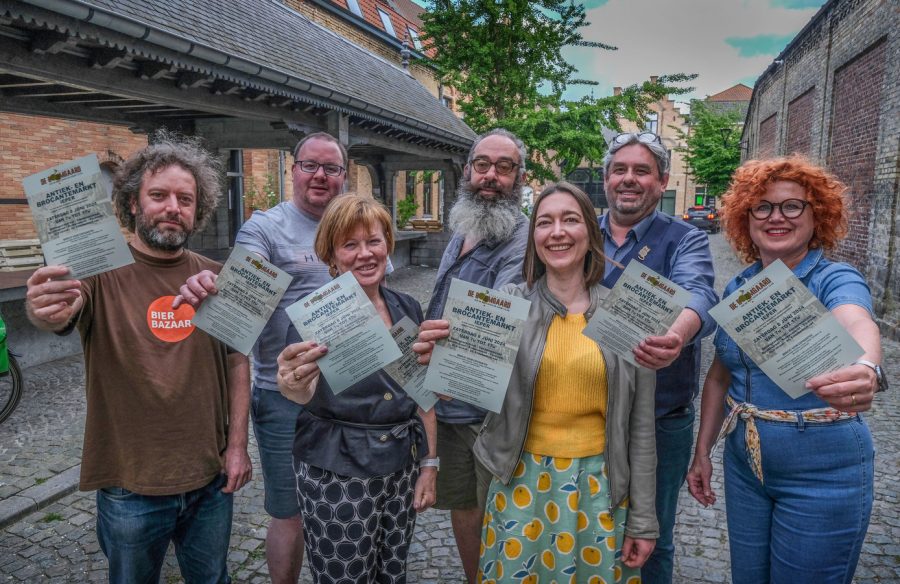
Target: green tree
[712,148]
[505,57]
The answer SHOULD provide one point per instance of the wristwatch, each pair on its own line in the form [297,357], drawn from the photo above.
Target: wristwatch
[879,373]
[435,462]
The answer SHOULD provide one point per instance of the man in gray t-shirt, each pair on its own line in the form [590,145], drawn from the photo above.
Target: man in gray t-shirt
[487,248]
[285,236]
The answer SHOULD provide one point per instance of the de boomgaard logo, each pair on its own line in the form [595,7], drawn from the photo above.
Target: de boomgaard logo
[167,324]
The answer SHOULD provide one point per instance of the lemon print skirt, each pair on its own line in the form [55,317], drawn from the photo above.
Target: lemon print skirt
[552,523]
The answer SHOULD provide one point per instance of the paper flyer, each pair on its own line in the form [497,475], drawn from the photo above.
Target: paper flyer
[784,329]
[406,370]
[75,219]
[341,316]
[250,289]
[641,304]
[475,363]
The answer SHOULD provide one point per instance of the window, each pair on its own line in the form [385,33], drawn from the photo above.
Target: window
[416,41]
[386,21]
[652,122]
[426,197]
[448,103]
[410,184]
[353,5]
[667,202]
[700,196]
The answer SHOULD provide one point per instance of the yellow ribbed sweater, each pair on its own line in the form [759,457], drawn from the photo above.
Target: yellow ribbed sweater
[569,415]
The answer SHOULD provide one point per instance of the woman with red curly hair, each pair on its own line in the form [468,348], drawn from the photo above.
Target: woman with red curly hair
[798,472]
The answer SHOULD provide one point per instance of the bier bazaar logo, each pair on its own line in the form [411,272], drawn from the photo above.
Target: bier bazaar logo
[168,324]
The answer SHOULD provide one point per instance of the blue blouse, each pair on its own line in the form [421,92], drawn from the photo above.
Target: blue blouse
[834,284]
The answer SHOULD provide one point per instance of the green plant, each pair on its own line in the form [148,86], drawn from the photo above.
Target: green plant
[406,209]
[264,196]
[50,517]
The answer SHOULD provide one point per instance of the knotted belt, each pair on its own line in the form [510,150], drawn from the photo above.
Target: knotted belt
[750,413]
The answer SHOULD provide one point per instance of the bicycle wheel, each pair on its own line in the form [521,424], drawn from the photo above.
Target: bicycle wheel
[10,389]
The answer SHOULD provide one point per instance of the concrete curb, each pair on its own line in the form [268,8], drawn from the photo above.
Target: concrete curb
[39,496]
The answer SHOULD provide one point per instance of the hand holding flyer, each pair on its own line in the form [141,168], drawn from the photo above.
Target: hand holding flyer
[75,219]
[784,328]
[475,362]
[341,316]
[642,304]
[250,289]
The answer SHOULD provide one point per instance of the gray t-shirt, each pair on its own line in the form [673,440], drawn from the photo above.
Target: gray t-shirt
[285,236]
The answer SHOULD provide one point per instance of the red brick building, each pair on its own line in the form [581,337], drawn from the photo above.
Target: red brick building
[833,95]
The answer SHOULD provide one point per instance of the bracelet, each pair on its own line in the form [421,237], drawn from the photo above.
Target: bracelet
[433,462]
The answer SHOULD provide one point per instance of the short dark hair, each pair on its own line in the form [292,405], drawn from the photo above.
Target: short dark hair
[327,138]
[595,260]
[169,149]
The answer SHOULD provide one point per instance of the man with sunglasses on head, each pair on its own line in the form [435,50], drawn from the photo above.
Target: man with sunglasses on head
[487,248]
[636,174]
[284,235]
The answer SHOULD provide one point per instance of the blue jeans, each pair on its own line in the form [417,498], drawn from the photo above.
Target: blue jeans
[674,441]
[274,421]
[134,532]
[807,521]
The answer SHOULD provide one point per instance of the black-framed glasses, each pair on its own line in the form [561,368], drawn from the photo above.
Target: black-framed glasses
[642,137]
[311,167]
[482,165]
[790,208]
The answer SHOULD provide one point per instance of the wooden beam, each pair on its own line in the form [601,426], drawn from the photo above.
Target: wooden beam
[222,87]
[50,42]
[107,58]
[190,80]
[154,70]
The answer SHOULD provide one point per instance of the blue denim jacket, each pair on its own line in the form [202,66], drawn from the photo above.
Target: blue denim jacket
[834,284]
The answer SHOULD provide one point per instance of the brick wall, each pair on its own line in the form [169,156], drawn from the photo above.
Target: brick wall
[768,134]
[30,144]
[799,124]
[857,96]
[849,54]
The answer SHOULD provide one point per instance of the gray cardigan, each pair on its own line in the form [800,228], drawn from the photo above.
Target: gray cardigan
[630,422]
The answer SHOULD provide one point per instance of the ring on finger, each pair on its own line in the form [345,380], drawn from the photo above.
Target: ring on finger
[853,399]
[296,376]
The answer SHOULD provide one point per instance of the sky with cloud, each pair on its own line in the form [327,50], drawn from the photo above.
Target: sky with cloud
[724,41]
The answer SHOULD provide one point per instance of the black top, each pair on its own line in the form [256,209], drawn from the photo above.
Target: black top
[371,428]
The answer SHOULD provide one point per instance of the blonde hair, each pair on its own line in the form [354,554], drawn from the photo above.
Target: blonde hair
[342,216]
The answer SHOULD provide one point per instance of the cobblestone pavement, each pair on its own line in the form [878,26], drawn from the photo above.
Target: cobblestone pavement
[57,543]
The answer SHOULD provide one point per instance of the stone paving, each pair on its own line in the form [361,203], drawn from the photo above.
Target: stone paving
[57,543]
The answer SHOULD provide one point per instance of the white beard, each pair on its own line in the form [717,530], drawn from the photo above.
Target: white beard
[483,219]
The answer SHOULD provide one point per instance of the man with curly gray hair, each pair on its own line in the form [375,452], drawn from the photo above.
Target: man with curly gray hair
[165,439]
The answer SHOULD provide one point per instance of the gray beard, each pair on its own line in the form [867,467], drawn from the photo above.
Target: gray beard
[482,219]
[156,239]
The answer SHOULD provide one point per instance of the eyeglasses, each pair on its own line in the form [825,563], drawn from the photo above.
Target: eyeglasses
[502,167]
[312,167]
[642,137]
[790,208]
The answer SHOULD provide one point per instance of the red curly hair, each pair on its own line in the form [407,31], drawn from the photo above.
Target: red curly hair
[749,183]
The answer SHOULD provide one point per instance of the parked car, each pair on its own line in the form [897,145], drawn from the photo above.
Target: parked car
[706,218]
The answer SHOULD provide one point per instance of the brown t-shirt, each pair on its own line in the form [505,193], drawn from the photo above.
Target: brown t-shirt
[157,392]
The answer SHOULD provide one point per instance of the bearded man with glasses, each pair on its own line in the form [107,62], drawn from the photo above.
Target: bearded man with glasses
[487,248]
[636,174]
[284,235]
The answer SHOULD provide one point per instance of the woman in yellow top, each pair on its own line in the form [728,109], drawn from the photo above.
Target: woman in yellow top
[572,450]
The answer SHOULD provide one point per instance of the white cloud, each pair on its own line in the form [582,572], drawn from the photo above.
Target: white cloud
[679,36]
